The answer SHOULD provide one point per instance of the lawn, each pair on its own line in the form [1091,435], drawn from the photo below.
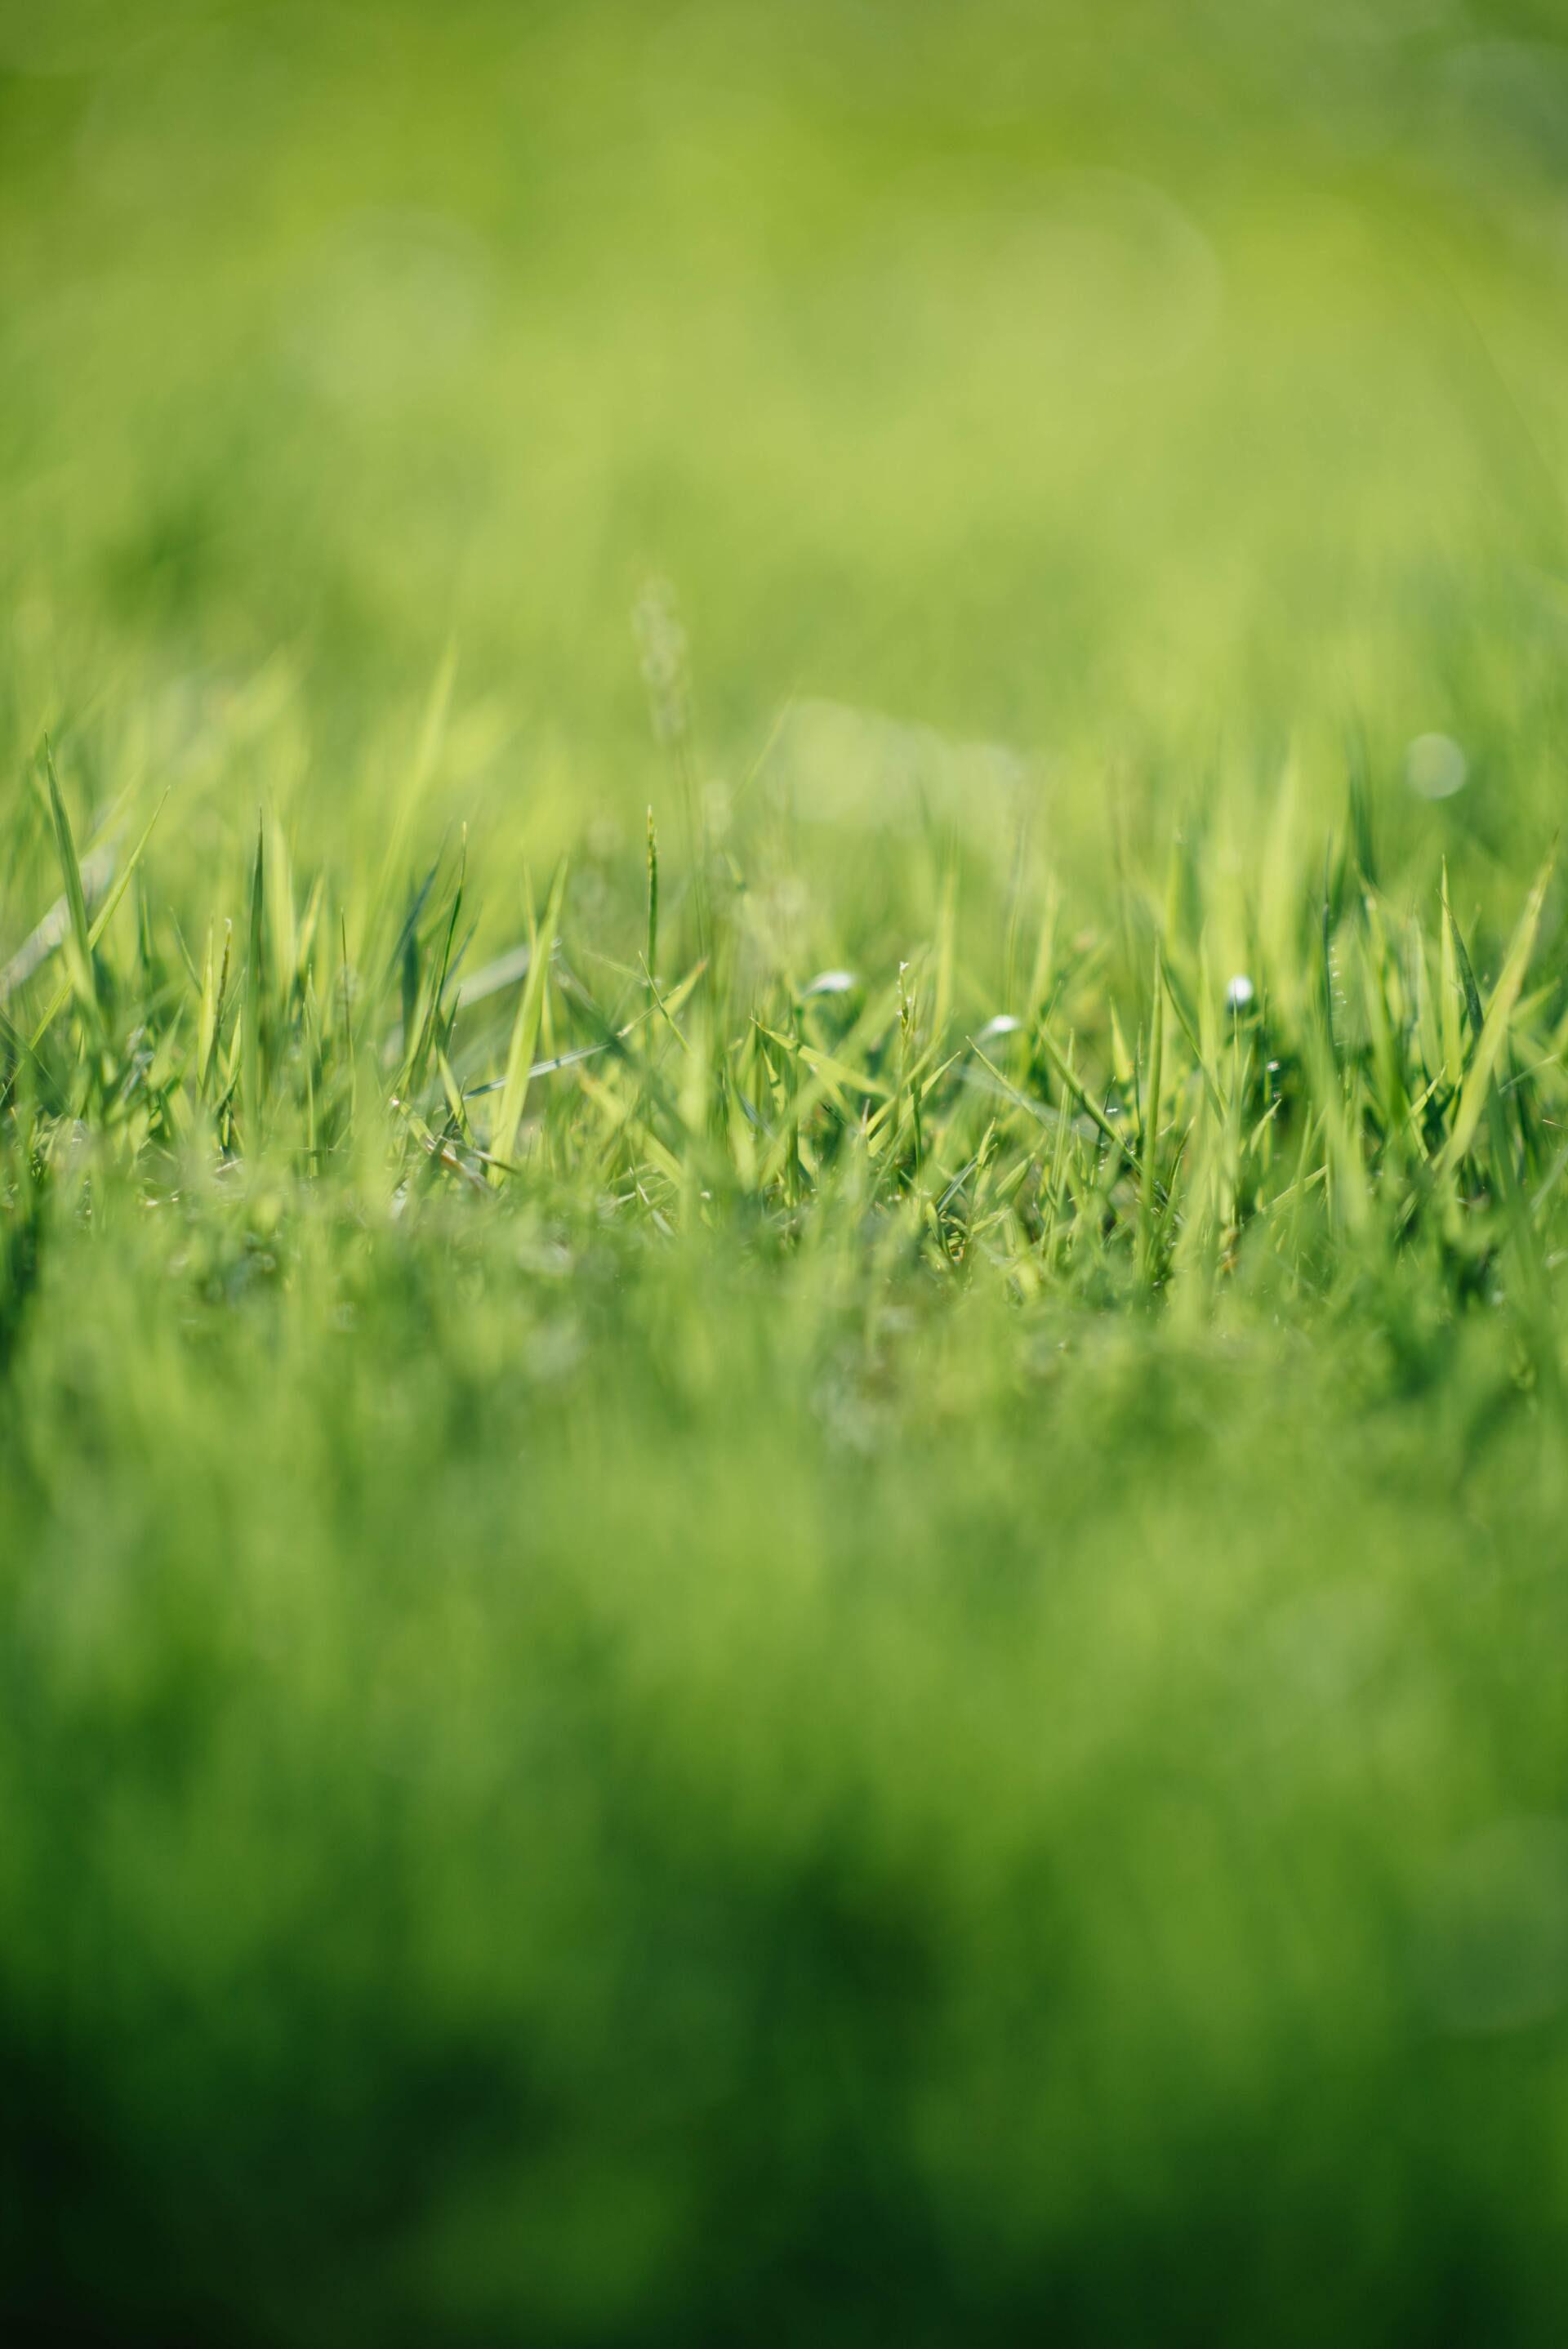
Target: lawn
[783,1172]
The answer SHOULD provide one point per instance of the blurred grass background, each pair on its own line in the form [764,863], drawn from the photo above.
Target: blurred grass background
[562,1790]
[1130,389]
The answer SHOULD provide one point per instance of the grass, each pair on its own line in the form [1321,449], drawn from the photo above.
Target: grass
[789,1562]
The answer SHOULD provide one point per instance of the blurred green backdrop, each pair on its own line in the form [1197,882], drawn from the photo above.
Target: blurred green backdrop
[708,1798]
[1113,381]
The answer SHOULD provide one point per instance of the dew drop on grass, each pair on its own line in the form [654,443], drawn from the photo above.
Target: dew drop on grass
[1435,767]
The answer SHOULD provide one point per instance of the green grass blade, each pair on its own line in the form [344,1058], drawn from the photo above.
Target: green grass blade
[653,945]
[78,941]
[1149,1138]
[1494,1027]
[253,1076]
[101,921]
[525,1030]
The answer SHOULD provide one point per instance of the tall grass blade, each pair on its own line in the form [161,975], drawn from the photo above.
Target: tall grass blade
[1494,1027]
[525,1031]
[78,941]
[252,1074]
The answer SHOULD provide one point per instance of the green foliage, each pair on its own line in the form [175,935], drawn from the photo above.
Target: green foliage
[564,1668]
[786,1565]
[1105,1140]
